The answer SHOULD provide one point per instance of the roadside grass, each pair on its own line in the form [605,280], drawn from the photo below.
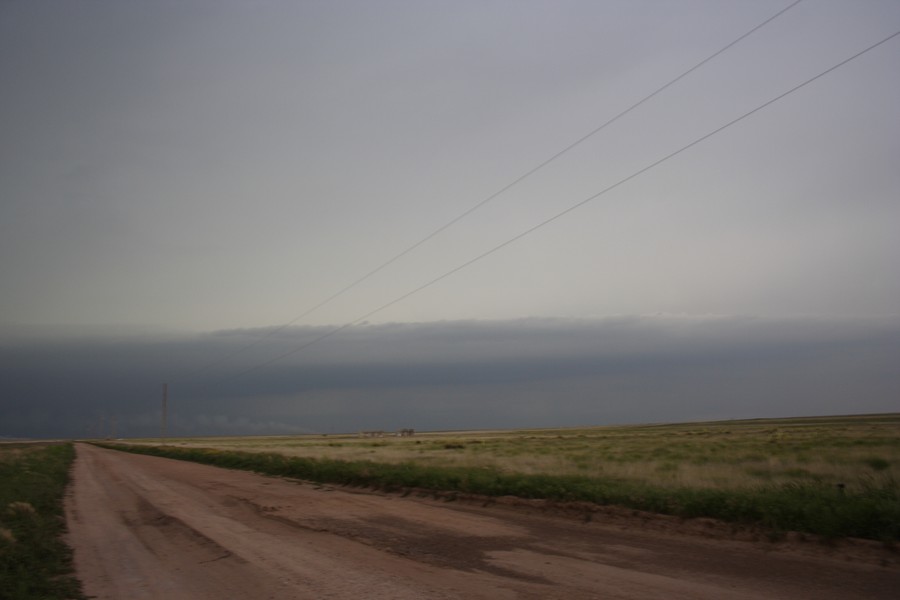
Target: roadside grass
[832,477]
[34,560]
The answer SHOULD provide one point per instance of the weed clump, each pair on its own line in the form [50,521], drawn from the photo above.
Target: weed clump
[877,464]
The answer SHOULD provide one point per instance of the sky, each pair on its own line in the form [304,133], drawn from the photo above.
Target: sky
[186,186]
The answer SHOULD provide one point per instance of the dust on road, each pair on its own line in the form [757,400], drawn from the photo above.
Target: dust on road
[149,527]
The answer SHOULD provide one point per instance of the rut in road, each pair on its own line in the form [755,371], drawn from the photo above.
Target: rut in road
[149,527]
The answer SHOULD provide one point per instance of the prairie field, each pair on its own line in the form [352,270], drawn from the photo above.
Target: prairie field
[848,450]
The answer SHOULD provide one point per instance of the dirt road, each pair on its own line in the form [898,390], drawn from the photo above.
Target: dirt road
[147,527]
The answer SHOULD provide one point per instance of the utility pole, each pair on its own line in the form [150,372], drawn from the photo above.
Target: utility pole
[165,401]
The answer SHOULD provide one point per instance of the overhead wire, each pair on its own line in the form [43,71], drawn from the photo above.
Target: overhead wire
[566,211]
[493,196]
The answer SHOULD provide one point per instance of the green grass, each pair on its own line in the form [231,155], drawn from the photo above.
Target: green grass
[34,561]
[795,500]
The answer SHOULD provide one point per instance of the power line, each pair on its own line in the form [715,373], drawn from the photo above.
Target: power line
[496,194]
[558,215]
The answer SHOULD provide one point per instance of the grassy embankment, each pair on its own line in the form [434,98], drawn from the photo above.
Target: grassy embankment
[34,561]
[833,476]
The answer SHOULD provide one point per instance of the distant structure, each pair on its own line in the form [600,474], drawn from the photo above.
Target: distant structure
[379,433]
[371,434]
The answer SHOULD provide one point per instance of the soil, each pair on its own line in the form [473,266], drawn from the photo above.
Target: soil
[149,527]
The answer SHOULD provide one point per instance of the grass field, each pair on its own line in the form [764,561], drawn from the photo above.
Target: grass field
[34,561]
[854,451]
[833,476]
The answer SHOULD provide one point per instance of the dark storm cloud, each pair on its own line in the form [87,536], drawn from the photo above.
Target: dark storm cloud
[468,374]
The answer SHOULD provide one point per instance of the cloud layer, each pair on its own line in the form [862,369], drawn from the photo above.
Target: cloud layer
[449,375]
[209,165]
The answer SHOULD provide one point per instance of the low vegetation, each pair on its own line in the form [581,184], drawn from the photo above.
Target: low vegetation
[34,561]
[833,476]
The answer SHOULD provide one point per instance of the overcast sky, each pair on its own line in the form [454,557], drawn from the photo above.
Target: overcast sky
[178,178]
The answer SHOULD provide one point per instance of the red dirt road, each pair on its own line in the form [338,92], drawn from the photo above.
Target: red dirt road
[148,527]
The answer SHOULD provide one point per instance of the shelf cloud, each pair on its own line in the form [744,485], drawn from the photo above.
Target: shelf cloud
[453,374]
